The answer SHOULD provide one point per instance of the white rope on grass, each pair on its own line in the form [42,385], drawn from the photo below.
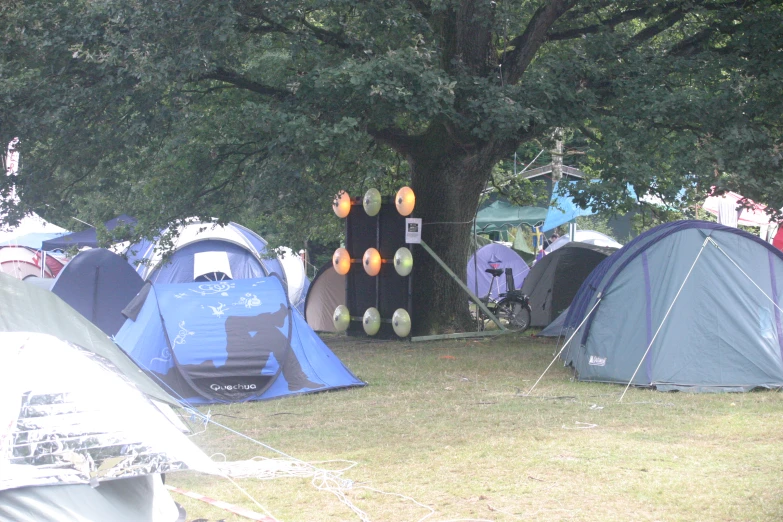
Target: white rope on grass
[326,480]
[581,426]
[322,479]
[248,495]
[336,484]
[687,276]
[566,344]
[207,419]
[263,468]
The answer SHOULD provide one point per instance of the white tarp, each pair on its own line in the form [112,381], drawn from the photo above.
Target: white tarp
[590,237]
[69,416]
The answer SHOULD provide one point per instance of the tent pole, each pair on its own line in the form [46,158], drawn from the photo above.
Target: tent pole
[472,296]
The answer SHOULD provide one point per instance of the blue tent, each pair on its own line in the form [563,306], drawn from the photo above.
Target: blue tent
[228,341]
[98,284]
[211,252]
[688,305]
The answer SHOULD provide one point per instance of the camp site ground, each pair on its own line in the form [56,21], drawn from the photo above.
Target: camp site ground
[445,432]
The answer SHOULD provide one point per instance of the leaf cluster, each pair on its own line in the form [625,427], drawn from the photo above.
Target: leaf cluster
[257,111]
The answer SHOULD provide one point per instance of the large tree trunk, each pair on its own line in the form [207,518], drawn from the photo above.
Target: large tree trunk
[447,180]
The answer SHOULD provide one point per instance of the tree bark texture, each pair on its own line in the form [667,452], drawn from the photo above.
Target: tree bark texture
[447,181]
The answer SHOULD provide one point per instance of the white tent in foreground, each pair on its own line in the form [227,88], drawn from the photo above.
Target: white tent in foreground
[79,441]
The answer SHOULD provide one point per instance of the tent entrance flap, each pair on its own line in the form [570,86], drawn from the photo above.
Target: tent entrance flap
[230,341]
[255,356]
[228,348]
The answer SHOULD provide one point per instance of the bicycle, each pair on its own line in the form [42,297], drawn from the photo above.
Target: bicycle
[512,308]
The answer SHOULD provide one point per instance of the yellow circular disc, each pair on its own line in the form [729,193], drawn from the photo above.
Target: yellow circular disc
[371,321]
[401,322]
[372,202]
[403,261]
[341,318]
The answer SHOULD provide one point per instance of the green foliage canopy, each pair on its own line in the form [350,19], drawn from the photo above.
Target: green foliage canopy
[260,110]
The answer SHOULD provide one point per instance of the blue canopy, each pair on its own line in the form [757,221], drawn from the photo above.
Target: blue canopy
[84,238]
[562,210]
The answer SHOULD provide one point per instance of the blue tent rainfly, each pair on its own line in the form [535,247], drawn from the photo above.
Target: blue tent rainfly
[688,305]
[228,341]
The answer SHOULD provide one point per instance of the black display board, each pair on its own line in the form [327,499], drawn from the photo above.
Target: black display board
[387,291]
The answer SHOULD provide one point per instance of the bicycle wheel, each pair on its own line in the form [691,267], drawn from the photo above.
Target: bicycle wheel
[514,313]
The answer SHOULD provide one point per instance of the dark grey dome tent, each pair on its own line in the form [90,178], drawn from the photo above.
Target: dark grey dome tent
[99,284]
[555,278]
[688,305]
[327,292]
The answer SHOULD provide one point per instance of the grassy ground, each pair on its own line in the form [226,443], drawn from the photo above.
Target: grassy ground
[447,424]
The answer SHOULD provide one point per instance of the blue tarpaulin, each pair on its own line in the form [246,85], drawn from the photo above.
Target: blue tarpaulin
[562,210]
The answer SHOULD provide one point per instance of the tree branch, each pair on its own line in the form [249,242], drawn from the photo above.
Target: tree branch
[327,37]
[657,28]
[233,78]
[394,138]
[693,43]
[609,23]
[421,7]
[528,43]
[271,26]
[645,13]
[590,134]
[698,41]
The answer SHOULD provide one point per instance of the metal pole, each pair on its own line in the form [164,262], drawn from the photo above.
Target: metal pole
[454,276]
[462,335]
